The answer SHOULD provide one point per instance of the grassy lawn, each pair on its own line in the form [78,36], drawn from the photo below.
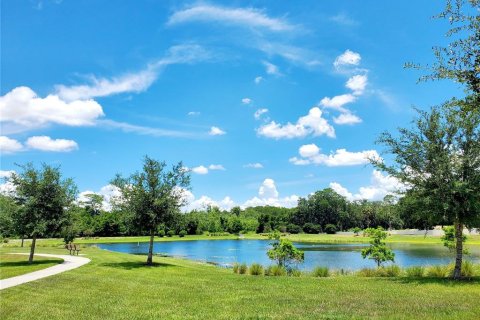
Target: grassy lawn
[12,265]
[319,238]
[120,286]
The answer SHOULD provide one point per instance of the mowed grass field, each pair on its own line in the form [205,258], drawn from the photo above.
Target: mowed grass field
[12,265]
[120,286]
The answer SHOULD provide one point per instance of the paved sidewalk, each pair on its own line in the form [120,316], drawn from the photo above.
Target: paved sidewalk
[69,263]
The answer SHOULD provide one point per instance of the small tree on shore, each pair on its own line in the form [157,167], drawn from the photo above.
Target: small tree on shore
[283,251]
[153,196]
[43,197]
[378,250]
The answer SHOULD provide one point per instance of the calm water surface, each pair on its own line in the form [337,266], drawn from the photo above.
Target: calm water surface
[336,256]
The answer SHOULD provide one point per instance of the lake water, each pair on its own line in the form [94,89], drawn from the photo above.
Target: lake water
[335,256]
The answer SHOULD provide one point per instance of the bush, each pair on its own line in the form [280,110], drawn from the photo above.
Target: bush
[242,269]
[161,233]
[282,229]
[438,271]
[170,233]
[5,240]
[295,273]
[357,231]
[468,270]
[321,272]
[236,267]
[275,271]
[256,269]
[293,228]
[389,271]
[311,228]
[330,229]
[415,272]
[182,233]
[367,272]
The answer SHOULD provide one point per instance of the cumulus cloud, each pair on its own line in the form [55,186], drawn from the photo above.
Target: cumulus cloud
[23,108]
[216,167]
[380,186]
[310,154]
[269,195]
[109,193]
[216,131]
[204,170]
[244,17]
[347,118]
[255,165]
[45,143]
[348,58]
[246,100]
[311,124]
[272,69]
[9,146]
[258,114]
[200,170]
[338,102]
[258,79]
[357,84]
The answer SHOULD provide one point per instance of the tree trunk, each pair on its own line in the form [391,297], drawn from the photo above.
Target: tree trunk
[150,248]
[23,238]
[457,272]
[32,248]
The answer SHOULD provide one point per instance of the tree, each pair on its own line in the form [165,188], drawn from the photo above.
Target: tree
[283,251]
[153,196]
[44,198]
[439,161]
[378,250]
[93,203]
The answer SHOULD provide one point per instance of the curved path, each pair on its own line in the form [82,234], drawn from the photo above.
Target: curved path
[69,263]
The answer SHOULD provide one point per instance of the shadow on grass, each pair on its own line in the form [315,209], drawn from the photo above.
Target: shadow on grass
[441,281]
[130,265]
[25,263]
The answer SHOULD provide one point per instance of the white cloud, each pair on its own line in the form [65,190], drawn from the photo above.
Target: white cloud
[347,58]
[357,84]
[216,167]
[8,145]
[344,20]
[311,124]
[347,118]
[259,113]
[45,143]
[193,113]
[246,100]
[268,195]
[7,188]
[23,108]
[245,17]
[310,154]
[294,54]
[200,170]
[135,81]
[155,132]
[338,102]
[268,189]
[110,194]
[272,69]
[6,174]
[381,185]
[258,79]
[255,165]
[215,131]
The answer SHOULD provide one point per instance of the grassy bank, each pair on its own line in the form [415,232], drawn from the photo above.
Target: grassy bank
[119,286]
[313,238]
[12,265]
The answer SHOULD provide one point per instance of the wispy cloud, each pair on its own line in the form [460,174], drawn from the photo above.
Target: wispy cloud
[149,131]
[216,131]
[344,20]
[244,17]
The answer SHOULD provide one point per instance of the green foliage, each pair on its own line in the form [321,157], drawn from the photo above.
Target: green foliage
[321,272]
[236,267]
[448,238]
[438,271]
[161,233]
[330,229]
[243,268]
[415,271]
[170,233]
[312,228]
[295,273]
[275,271]
[182,233]
[356,231]
[378,250]
[256,269]
[468,269]
[389,271]
[284,252]
[293,228]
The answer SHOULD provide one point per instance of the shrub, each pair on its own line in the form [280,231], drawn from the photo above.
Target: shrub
[330,229]
[367,272]
[293,228]
[275,271]
[242,269]
[311,228]
[161,233]
[415,271]
[389,271]
[170,233]
[357,231]
[468,270]
[182,233]
[295,273]
[236,267]
[5,240]
[256,269]
[282,229]
[321,272]
[438,271]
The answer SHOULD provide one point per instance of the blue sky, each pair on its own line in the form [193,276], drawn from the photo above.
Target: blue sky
[264,101]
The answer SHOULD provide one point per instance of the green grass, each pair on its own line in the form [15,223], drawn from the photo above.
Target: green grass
[12,265]
[120,286]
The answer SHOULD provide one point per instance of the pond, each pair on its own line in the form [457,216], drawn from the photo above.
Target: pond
[335,256]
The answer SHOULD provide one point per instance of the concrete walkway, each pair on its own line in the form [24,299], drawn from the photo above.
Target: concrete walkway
[69,263]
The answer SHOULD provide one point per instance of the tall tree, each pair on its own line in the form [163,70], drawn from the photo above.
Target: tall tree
[439,160]
[44,198]
[153,196]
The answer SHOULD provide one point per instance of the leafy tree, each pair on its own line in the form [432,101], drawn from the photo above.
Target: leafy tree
[44,198]
[378,250]
[153,196]
[311,228]
[356,231]
[283,251]
[93,203]
[448,238]
[8,208]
